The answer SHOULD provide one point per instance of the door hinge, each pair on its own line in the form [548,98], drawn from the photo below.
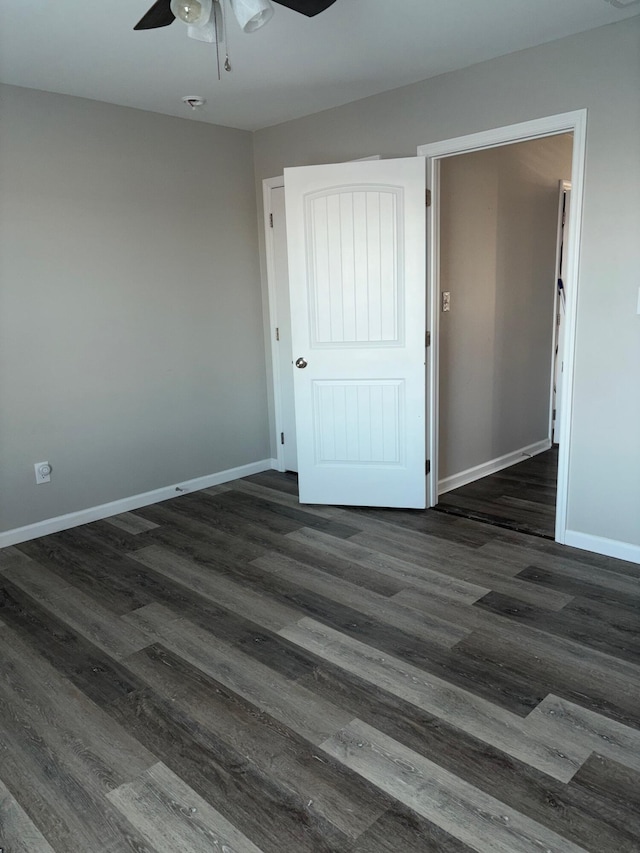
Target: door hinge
[427,466]
[554,414]
[281,438]
[427,197]
[277,333]
[271,220]
[427,339]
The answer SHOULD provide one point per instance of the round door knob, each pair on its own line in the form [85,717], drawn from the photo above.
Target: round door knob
[300,362]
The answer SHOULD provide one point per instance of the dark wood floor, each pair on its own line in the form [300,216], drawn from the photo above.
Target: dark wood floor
[521,497]
[229,671]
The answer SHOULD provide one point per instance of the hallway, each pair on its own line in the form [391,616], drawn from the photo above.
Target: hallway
[522,497]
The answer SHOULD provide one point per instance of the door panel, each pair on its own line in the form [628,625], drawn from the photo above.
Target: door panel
[356,245]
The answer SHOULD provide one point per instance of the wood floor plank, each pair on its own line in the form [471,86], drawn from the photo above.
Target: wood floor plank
[623,592]
[258,607]
[324,789]
[401,829]
[18,833]
[50,796]
[436,583]
[77,610]
[623,643]
[78,558]
[528,644]
[223,550]
[251,506]
[460,708]
[464,565]
[59,714]
[71,814]
[585,814]
[614,794]
[364,601]
[277,496]
[131,523]
[171,816]
[296,599]
[584,676]
[187,534]
[460,809]
[63,753]
[588,730]
[578,566]
[514,692]
[276,820]
[11,557]
[100,677]
[437,525]
[286,701]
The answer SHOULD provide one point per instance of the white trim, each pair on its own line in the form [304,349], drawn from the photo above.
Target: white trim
[269,184]
[571,122]
[601,545]
[492,466]
[563,187]
[95,513]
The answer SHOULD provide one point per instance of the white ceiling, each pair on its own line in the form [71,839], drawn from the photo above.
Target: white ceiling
[292,67]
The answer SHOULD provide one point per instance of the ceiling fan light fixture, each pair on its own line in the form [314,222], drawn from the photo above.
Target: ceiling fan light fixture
[195,13]
[212,30]
[252,14]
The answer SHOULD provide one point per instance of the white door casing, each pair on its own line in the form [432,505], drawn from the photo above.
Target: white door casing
[282,343]
[356,235]
[564,206]
[571,122]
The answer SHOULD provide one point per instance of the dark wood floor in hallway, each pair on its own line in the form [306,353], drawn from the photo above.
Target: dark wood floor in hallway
[230,671]
[521,497]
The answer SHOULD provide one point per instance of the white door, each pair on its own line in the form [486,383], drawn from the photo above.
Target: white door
[356,236]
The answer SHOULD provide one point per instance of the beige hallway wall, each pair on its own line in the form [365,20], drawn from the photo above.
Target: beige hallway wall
[498,223]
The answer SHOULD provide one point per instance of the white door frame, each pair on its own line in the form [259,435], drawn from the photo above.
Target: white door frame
[571,122]
[556,355]
[268,185]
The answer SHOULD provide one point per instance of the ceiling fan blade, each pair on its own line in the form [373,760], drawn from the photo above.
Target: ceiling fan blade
[306,7]
[159,15]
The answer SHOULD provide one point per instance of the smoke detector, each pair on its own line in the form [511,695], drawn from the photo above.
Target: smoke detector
[194,101]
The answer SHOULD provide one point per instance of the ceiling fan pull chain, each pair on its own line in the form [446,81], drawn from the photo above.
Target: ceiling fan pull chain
[217,35]
[225,35]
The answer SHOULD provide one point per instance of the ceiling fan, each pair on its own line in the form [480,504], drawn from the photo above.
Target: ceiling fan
[251,14]
[205,20]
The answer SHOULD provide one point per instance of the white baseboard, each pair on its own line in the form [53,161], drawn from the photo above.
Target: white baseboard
[490,467]
[95,513]
[601,545]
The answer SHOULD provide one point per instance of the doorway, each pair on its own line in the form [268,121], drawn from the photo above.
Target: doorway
[499,287]
[575,124]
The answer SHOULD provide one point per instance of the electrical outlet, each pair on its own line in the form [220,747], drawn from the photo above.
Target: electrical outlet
[446,300]
[43,472]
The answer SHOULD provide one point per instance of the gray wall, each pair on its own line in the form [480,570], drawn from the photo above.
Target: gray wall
[598,70]
[498,222]
[131,349]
